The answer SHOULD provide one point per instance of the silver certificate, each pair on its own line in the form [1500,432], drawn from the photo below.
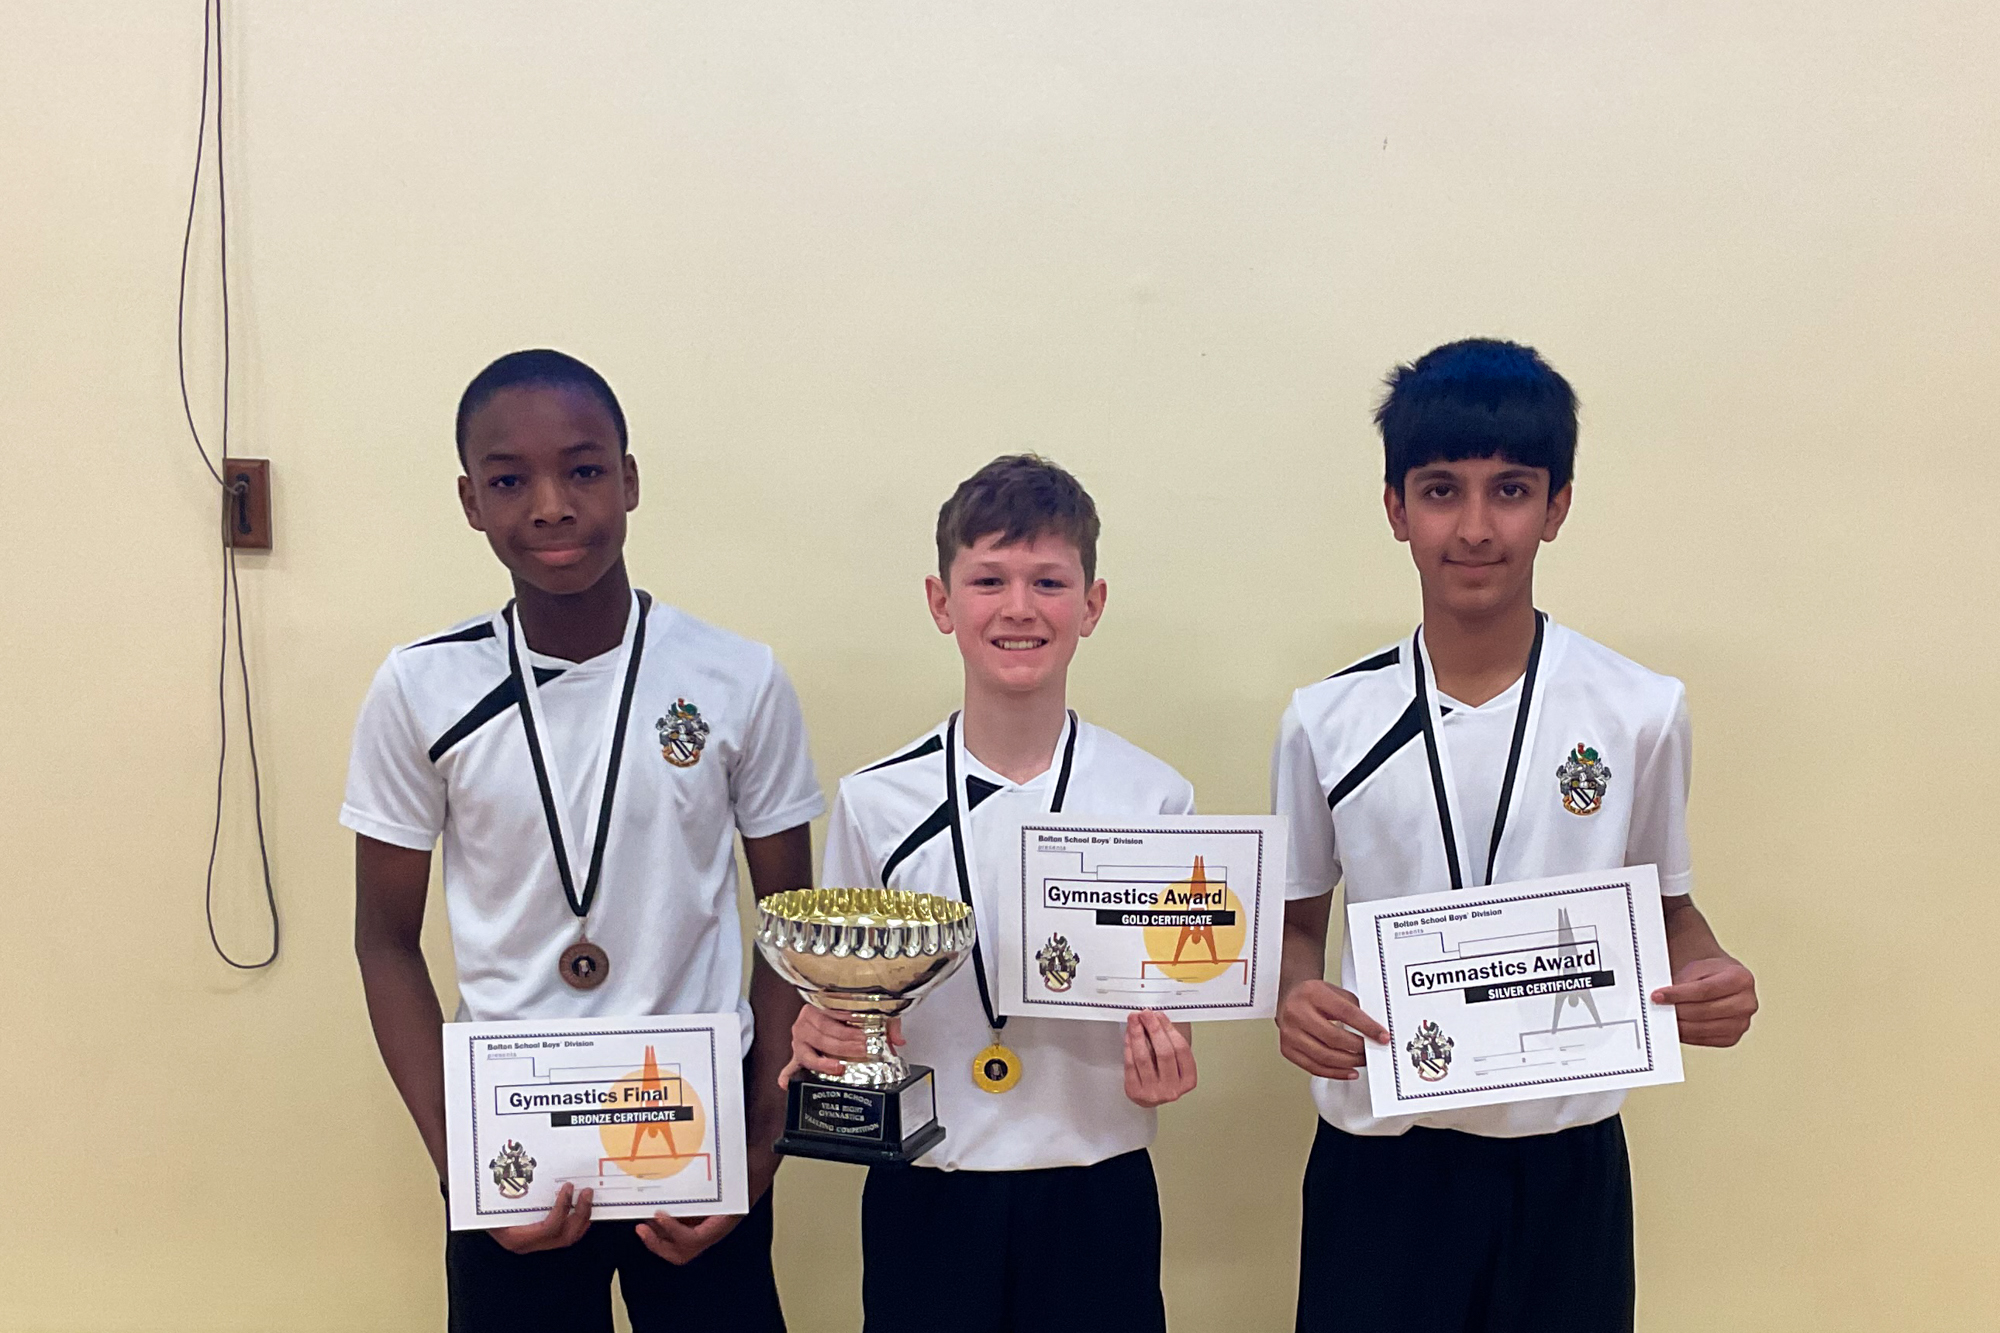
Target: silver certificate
[1510,992]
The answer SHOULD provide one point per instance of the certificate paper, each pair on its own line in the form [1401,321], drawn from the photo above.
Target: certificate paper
[1181,913]
[645,1112]
[1515,991]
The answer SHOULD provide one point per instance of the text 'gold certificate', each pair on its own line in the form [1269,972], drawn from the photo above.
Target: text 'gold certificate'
[1540,988]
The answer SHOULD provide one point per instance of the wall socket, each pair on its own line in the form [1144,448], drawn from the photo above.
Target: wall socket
[246,503]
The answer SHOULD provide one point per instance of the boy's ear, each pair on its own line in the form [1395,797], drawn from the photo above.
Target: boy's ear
[468,502]
[1093,607]
[630,467]
[1552,522]
[1399,516]
[936,595]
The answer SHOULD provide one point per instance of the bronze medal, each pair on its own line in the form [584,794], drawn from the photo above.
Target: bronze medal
[584,965]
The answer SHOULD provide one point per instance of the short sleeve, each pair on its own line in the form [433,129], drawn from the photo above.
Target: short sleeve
[1659,801]
[394,793]
[774,787]
[1312,861]
[1181,802]
[848,864]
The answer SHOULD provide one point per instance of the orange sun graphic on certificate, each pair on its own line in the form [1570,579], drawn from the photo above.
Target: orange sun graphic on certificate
[655,1148]
[1197,952]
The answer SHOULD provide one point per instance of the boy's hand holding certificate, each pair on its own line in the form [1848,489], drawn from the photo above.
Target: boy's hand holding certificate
[1514,991]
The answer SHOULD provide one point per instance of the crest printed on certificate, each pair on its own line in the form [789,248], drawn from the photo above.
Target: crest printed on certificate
[1180,913]
[1540,988]
[647,1113]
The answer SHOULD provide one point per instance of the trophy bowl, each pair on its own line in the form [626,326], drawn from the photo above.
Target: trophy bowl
[865,955]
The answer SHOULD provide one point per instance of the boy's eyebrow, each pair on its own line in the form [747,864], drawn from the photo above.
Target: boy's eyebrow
[502,456]
[1447,470]
[1037,570]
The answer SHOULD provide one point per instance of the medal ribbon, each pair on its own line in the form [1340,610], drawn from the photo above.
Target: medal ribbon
[1442,784]
[952,800]
[548,775]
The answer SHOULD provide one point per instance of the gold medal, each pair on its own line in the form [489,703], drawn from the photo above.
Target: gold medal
[996,1069]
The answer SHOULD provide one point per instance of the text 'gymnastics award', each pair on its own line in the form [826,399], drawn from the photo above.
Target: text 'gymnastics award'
[863,955]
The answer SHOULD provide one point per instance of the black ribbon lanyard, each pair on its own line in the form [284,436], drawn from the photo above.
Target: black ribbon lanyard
[551,811]
[994,1020]
[1433,749]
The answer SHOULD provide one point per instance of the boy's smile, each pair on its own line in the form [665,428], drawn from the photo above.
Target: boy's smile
[1474,526]
[546,482]
[1017,611]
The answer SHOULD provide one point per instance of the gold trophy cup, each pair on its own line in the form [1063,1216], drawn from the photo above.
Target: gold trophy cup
[863,955]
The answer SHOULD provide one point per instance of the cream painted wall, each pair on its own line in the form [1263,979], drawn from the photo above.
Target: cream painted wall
[836,255]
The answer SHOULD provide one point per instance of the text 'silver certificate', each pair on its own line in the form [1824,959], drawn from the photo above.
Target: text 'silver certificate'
[647,1113]
[1536,989]
[1180,913]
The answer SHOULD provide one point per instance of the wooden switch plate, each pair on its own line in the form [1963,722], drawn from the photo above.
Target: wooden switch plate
[246,504]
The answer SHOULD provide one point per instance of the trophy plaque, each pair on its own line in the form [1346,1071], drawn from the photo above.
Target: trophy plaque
[863,955]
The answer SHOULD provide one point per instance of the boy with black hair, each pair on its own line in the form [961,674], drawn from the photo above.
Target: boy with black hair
[587,756]
[1039,1210]
[1563,757]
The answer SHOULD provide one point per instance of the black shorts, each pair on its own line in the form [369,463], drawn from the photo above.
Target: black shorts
[727,1286]
[1435,1231]
[1068,1249]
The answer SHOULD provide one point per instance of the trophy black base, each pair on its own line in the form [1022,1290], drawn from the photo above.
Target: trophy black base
[887,1126]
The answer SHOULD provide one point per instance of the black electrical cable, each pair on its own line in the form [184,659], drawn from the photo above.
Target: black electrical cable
[232,595]
[187,241]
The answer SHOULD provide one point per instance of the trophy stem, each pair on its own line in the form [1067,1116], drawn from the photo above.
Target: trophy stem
[883,1066]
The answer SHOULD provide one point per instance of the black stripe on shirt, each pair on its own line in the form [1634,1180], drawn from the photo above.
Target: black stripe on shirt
[934,823]
[1388,657]
[931,746]
[937,821]
[1406,729]
[470,634]
[497,701]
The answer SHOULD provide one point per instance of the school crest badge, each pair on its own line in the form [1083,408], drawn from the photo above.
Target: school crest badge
[683,732]
[1583,779]
[1057,962]
[1430,1051]
[513,1170]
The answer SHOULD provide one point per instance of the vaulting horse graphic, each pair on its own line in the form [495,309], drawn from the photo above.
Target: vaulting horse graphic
[1565,937]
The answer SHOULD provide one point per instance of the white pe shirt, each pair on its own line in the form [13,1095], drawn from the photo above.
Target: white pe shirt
[440,753]
[890,829]
[1351,774]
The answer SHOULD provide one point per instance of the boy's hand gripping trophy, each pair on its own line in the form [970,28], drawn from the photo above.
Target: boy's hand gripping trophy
[864,955]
